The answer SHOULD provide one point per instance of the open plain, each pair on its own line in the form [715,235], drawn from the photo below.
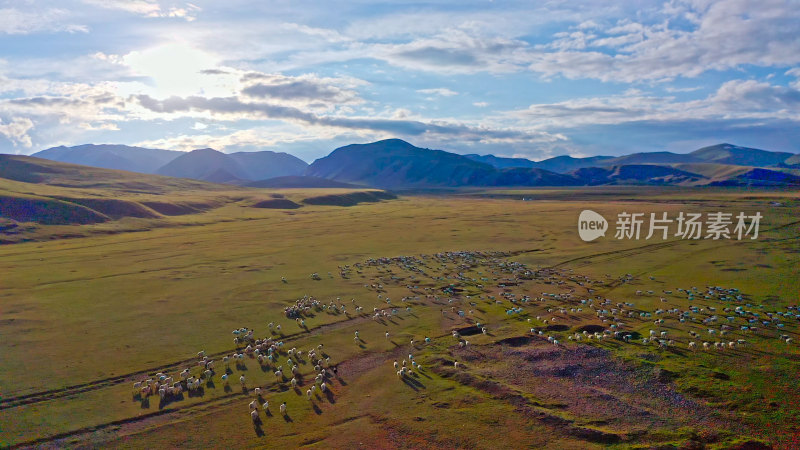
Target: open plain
[547,330]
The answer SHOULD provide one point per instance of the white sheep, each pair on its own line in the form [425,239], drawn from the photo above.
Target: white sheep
[283,408]
[254,416]
[253,405]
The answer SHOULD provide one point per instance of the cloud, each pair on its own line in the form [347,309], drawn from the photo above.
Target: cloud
[444,92]
[16,131]
[722,35]
[305,88]
[743,101]
[17,21]
[232,108]
[149,8]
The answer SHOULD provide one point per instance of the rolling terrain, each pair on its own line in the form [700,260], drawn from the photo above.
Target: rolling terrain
[124,306]
[396,164]
[40,199]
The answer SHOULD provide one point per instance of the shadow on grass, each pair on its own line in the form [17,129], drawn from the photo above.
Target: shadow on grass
[413,384]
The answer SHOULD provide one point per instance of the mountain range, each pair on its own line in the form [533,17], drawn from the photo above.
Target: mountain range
[204,164]
[396,164]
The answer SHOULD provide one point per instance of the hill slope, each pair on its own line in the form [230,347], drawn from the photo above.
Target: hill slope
[566,163]
[266,164]
[394,163]
[635,174]
[211,165]
[29,169]
[107,156]
[500,162]
[741,156]
[558,164]
[297,181]
[651,158]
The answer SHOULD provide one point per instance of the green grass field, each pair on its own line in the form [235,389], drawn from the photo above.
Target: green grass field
[82,319]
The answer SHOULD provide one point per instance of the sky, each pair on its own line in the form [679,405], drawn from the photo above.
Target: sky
[532,79]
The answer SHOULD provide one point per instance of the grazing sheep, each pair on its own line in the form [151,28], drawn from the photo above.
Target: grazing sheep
[265,406]
[283,408]
[323,387]
[254,416]
[241,380]
[253,405]
[257,392]
[308,394]
[294,382]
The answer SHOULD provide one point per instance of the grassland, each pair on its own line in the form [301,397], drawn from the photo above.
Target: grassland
[83,318]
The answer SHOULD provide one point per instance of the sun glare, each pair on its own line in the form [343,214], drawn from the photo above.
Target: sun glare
[176,69]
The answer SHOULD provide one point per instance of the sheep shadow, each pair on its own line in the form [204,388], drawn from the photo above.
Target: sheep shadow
[329,396]
[298,391]
[257,428]
[268,413]
[210,384]
[287,418]
[241,367]
[227,388]
[413,384]
[199,392]
[316,408]
[145,403]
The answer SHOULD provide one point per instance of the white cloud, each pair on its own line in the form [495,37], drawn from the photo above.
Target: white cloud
[149,8]
[16,131]
[18,21]
[444,92]
[734,100]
